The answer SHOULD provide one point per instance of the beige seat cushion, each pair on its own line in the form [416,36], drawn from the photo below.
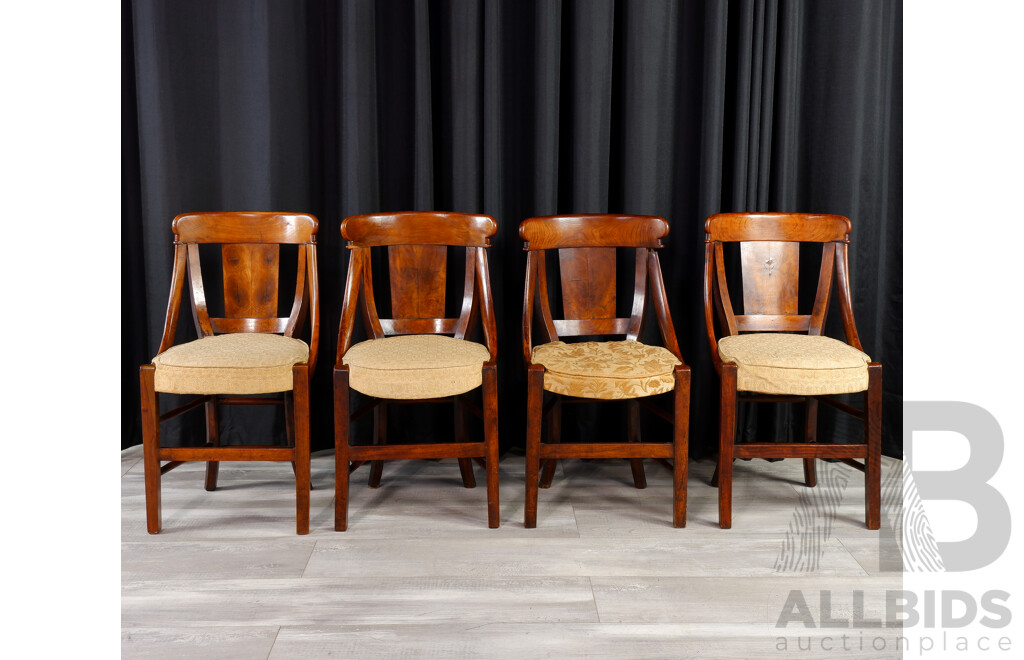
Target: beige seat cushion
[415,366]
[776,363]
[237,363]
[606,369]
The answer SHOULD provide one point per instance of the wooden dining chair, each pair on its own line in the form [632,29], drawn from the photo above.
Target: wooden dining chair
[587,249]
[244,354]
[422,353]
[772,352]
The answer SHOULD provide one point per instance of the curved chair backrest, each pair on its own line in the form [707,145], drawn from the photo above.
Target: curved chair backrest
[587,255]
[769,259]
[417,265]
[250,269]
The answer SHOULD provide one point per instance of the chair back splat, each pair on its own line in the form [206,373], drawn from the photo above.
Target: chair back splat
[248,349]
[588,249]
[419,351]
[773,352]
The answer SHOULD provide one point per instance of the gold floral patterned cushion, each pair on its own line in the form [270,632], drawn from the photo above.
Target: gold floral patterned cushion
[776,363]
[415,366]
[606,370]
[237,363]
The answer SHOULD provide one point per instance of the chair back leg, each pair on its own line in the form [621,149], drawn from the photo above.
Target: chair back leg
[213,440]
[462,435]
[636,465]
[810,435]
[554,437]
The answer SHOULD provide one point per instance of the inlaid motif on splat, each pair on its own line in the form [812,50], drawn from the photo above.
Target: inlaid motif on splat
[770,277]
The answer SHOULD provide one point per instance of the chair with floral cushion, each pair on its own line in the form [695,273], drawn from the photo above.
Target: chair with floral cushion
[248,352]
[586,249]
[422,353]
[773,352]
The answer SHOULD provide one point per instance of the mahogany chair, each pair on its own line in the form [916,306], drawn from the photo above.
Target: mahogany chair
[250,350]
[587,248]
[771,352]
[420,354]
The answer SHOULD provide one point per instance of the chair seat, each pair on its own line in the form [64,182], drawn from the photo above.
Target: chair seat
[775,363]
[415,366]
[606,369]
[237,363]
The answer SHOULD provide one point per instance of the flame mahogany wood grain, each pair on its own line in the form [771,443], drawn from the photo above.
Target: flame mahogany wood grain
[250,280]
[587,248]
[800,227]
[418,280]
[419,228]
[588,282]
[235,227]
[250,262]
[769,264]
[593,230]
[417,249]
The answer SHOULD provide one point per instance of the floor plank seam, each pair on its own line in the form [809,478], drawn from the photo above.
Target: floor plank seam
[593,595]
[270,651]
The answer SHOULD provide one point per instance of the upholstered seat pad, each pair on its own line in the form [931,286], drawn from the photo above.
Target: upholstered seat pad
[606,369]
[415,366]
[777,363]
[237,363]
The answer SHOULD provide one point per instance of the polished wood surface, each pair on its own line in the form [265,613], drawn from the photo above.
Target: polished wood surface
[242,227]
[593,230]
[418,275]
[414,248]
[769,264]
[802,227]
[250,280]
[770,277]
[418,228]
[250,267]
[588,282]
[587,249]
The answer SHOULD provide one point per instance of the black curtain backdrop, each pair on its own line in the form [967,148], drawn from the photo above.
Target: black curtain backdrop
[515,108]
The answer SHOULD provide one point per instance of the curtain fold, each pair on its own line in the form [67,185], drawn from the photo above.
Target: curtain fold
[515,108]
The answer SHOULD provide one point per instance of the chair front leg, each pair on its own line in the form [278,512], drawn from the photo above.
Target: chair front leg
[534,411]
[150,447]
[726,439]
[490,401]
[341,429]
[873,439]
[300,406]
[680,444]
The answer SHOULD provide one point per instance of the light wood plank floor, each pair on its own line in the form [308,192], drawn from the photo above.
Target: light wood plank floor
[419,575]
